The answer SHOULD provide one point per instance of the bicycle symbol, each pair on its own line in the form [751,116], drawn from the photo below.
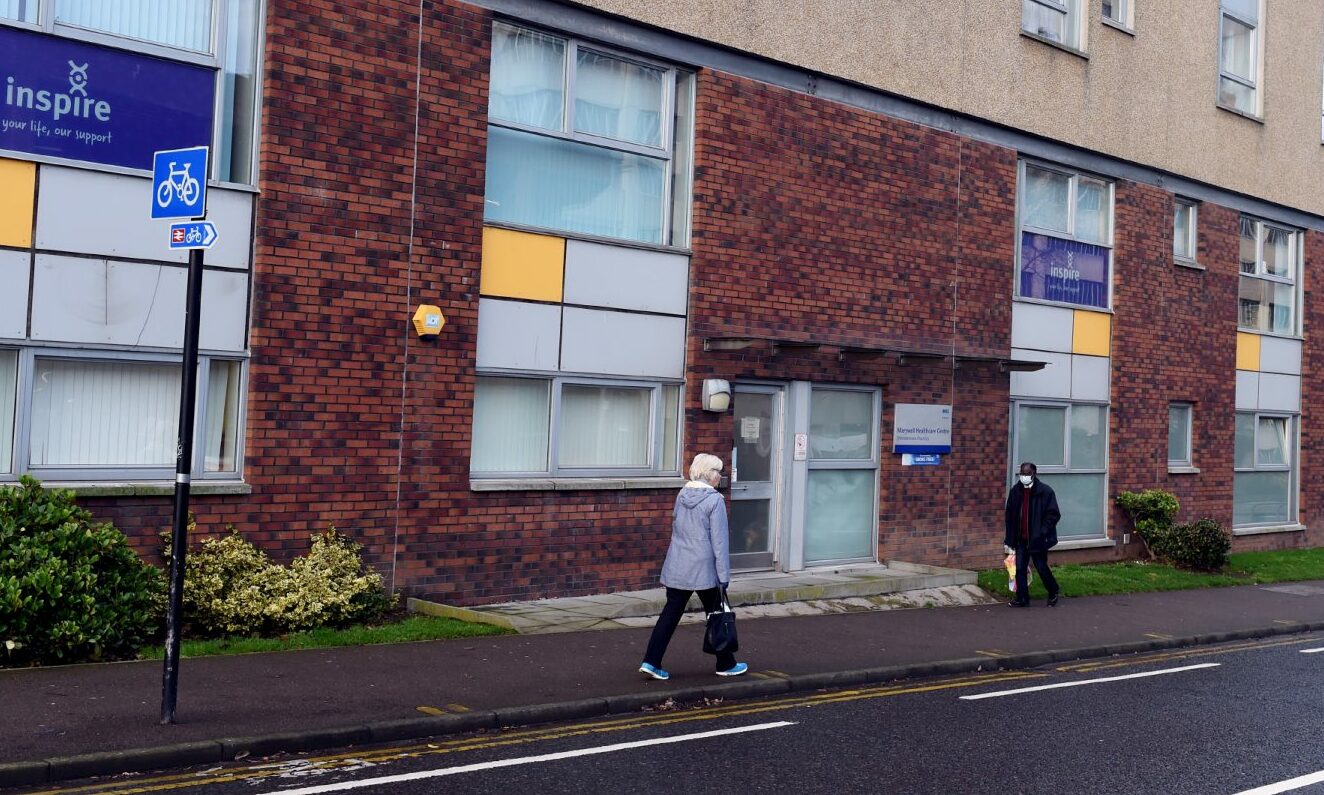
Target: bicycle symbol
[194,235]
[178,183]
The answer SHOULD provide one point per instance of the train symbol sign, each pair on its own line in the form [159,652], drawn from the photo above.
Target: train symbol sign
[179,183]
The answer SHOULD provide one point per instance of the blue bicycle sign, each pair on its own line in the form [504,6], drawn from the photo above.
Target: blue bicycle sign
[194,234]
[179,183]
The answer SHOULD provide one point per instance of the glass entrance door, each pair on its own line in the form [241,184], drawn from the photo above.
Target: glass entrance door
[755,474]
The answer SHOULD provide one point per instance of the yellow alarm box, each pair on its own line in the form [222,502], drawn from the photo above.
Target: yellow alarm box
[428,320]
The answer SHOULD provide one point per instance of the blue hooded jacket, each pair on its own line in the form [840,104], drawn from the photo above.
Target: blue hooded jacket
[699,556]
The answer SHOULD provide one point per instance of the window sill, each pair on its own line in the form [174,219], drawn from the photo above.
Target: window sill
[1243,114]
[620,242]
[1241,330]
[1084,543]
[1259,531]
[1188,263]
[1026,300]
[574,484]
[1172,470]
[1056,44]
[151,488]
[1121,26]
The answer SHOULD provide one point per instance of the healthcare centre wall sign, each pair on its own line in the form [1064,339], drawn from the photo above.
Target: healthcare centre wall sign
[79,101]
[921,428]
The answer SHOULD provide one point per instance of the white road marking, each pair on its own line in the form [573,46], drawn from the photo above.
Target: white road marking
[1312,651]
[525,760]
[1288,785]
[1019,690]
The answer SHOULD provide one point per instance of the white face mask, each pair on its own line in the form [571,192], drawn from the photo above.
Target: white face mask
[1026,480]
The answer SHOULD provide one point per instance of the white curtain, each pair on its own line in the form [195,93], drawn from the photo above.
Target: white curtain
[1238,49]
[8,383]
[1046,199]
[178,23]
[107,414]
[528,77]
[221,433]
[604,426]
[1091,210]
[618,99]
[510,425]
[21,10]
[239,94]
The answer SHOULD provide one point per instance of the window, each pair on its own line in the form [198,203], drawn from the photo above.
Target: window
[1069,445]
[585,140]
[1264,485]
[841,496]
[1118,11]
[18,10]
[1179,436]
[175,23]
[574,427]
[1239,56]
[1269,288]
[1184,235]
[113,417]
[1065,251]
[1054,20]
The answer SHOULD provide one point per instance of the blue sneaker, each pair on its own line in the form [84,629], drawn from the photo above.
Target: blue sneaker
[653,671]
[735,670]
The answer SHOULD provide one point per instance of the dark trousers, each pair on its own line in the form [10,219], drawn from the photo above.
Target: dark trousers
[677,598]
[1040,559]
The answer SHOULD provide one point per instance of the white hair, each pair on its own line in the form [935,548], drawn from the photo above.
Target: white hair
[703,464]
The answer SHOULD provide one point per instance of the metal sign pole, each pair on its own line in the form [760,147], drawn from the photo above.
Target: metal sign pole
[183,475]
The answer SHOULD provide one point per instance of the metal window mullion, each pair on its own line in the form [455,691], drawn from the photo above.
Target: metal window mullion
[1237,79]
[200,401]
[554,425]
[23,412]
[569,83]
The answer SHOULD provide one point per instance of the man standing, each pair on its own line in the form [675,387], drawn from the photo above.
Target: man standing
[1032,517]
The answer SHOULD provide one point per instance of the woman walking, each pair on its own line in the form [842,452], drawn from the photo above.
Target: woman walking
[698,559]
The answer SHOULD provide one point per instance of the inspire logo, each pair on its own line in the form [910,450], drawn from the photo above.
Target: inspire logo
[75,102]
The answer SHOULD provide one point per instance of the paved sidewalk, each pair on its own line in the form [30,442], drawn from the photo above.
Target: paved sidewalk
[67,722]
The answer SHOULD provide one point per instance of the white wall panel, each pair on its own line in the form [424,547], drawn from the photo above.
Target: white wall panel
[1045,328]
[15,267]
[1089,378]
[90,212]
[518,335]
[625,278]
[1248,390]
[1054,381]
[224,315]
[1279,355]
[621,343]
[109,302]
[1280,392]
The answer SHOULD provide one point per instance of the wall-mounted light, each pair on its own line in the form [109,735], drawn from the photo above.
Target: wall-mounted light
[716,395]
[428,321]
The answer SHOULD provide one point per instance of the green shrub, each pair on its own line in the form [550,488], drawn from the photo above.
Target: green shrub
[1151,513]
[1202,545]
[232,587]
[70,590]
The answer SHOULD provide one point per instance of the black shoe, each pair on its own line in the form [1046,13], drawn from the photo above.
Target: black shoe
[1052,600]
[1018,603]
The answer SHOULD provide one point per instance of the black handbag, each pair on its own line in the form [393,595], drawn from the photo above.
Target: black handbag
[720,634]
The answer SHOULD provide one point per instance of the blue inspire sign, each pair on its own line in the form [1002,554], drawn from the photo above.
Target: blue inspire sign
[79,101]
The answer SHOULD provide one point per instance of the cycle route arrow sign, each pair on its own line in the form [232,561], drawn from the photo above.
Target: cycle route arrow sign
[195,234]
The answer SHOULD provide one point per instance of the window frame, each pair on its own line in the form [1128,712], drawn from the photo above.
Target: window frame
[22,452]
[1070,235]
[1257,60]
[657,454]
[1066,468]
[1295,280]
[666,153]
[872,464]
[1291,467]
[1192,208]
[1121,17]
[1072,15]
[1187,463]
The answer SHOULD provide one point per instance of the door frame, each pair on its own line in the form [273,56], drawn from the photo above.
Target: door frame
[777,504]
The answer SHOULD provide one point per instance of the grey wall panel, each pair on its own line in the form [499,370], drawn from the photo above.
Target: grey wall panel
[1054,381]
[1089,378]
[625,278]
[224,311]
[1045,328]
[1248,390]
[90,212]
[518,335]
[621,343]
[1280,355]
[1280,392]
[15,267]
[76,299]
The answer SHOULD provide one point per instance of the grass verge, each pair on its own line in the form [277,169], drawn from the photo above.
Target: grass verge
[412,628]
[1100,579]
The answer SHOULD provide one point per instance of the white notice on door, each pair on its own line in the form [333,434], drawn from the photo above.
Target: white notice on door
[801,446]
[749,429]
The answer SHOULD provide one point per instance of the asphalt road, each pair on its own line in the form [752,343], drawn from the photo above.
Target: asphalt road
[1212,720]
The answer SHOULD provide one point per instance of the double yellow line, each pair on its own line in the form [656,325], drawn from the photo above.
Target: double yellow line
[507,739]
[1182,654]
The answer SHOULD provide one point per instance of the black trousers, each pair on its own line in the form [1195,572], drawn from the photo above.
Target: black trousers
[1040,559]
[666,624]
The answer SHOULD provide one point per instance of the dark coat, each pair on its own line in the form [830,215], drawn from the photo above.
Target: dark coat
[1044,516]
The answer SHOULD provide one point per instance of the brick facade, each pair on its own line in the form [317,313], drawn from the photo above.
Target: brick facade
[811,221]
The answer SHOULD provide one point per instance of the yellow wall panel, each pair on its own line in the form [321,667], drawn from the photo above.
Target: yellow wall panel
[18,191]
[1091,333]
[522,265]
[1248,351]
